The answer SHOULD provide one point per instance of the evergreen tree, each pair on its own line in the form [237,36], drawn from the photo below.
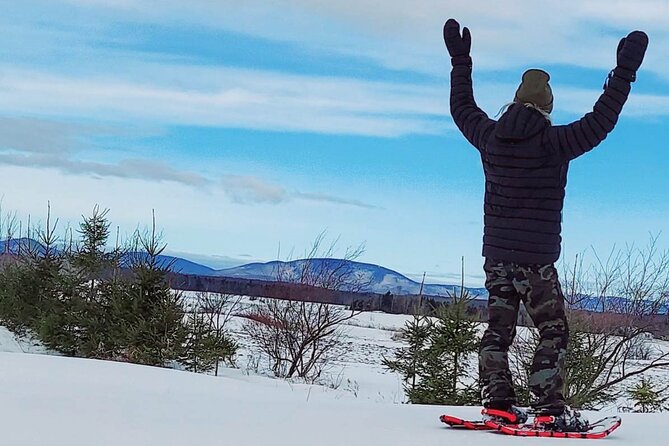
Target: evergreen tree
[35,292]
[44,291]
[415,335]
[96,272]
[448,368]
[19,300]
[647,397]
[91,258]
[157,332]
[437,364]
[79,322]
[205,345]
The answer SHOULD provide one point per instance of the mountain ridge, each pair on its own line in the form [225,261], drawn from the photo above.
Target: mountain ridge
[378,279]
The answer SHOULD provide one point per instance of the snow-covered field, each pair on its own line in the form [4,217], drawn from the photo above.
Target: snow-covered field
[50,400]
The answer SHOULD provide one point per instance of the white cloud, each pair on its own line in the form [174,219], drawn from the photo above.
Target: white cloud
[38,143]
[396,34]
[242,189]
[407,35]
[249,189]
[577,100]
[129,168]
[245,189]
[329,199]
[48,136]
[187,95]
[253,99]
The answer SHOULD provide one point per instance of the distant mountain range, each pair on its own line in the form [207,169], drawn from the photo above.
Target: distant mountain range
[376,279]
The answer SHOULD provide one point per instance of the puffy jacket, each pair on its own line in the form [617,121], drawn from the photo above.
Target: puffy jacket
[525,160]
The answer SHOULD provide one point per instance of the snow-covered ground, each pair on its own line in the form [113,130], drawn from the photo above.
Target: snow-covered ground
[12,344]
[48,400]
[51,400]
[358,371]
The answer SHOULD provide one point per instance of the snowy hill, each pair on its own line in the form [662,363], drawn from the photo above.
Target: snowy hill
[377,278]
[75,402]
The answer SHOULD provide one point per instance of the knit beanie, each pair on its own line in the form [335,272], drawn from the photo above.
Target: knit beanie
[534,89]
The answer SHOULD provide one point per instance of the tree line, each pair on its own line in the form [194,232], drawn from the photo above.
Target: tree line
[81,299]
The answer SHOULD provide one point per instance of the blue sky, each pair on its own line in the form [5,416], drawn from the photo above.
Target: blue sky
[250,127]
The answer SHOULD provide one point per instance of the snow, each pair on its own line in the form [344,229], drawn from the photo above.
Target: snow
[52,400]
[11,344]
[76,402]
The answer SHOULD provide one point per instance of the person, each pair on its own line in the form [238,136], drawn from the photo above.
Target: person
[525,160]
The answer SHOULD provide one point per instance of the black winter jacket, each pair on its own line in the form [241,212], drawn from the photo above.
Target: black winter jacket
[525,160]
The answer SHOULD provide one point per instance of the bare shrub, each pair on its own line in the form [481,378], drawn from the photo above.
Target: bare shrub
[301,338]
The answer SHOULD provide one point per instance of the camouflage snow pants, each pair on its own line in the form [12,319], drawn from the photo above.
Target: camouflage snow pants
[538,287]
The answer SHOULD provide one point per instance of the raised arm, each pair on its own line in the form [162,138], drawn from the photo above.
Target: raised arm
[577,138]
[470,119]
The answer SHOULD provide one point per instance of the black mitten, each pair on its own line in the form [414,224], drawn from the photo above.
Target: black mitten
[458,45]
[631,50]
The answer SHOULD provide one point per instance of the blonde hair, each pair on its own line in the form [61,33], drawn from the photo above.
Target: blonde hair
[505,107]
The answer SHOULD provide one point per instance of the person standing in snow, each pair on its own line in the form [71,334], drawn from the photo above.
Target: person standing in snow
[525,161]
